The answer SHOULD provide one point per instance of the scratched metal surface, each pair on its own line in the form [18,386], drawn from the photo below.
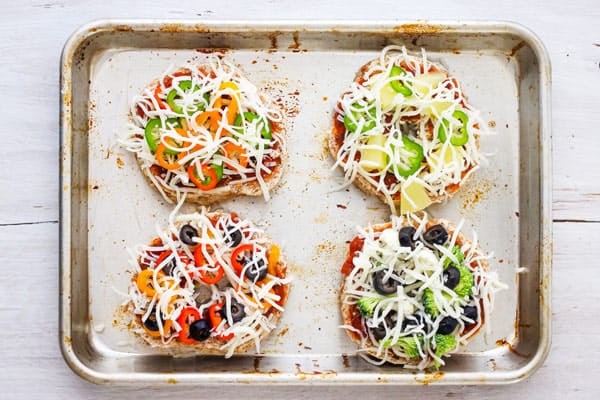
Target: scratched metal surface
[110,207]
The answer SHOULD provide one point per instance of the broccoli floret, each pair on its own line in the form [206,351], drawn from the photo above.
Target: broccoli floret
[410,347]
[429,303]
[465,284]
[408,344]
[366,305]
[456,252]
[443,344]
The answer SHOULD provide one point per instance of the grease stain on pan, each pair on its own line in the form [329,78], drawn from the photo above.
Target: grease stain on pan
[420,28]
[296,45]
[509,346]
[427,378]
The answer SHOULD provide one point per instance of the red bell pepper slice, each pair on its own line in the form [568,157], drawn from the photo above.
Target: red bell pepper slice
[206,277]
[210,177]
[235,263]
[215,319]
[186,318]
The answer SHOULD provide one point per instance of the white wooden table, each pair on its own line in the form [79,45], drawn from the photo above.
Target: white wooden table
[32,33]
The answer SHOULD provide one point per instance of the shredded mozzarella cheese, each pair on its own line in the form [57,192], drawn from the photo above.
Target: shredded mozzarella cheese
[376,109]
[177,280]
[200,131]
[403,315]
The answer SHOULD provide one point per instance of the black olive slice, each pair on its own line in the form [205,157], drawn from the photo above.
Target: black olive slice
[233,236]
[151,322]
[406,235]
[187,233]
[436,235]
[471,313]
[412,320]
[380,331]
[237,311]
[447,325]
[257,271]
[200,330]
[384,287]
[451,277]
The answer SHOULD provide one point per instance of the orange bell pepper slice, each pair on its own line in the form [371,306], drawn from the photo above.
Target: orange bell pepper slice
[234,151]
[273,259]
[162,161]
[213,117]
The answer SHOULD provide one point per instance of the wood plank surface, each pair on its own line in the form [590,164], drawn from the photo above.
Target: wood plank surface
[32,34]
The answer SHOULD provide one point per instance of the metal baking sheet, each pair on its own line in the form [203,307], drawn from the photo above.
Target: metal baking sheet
[107,206]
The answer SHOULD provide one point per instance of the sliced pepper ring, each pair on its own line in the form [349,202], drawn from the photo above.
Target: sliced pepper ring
[207,277]
[216,319]
[209,182]
[152,133]
[265,132]
[186,86]
[397,84]
[459,136]
[411,164]
[369,117]
[187,316]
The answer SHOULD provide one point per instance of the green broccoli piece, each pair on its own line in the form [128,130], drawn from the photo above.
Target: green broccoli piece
[366,305]
[443,344]
[410,347]
[465,284]
[408,344]
[456,252]
[429,303]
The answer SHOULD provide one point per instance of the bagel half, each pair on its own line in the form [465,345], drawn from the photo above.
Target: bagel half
[207,115]
[397,133]
[204,277]
[387,326]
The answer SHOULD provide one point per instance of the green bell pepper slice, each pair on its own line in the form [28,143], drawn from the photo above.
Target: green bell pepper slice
[152,133]
[250,117]
[218,168]
[369,117]
[185,86]
[398,85]
[459,136]
[411,164]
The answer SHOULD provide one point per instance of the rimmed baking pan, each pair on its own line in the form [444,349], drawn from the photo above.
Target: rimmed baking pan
[106,206]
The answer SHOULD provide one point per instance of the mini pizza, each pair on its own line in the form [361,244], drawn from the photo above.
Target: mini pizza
[405,132]
[415,290]
[212,283]
[206,131]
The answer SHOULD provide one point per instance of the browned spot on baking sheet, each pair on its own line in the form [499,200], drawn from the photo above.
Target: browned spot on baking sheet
[257,361]
[212,50]
[342,206]
[120,162]
[500,261]
[518,47]
[172,381]
[171,28]
[427,378]
[297,43]
[346,360]
[419,28]
[68,340]
[473,194]
[123,28]
[273,37]
[504,342]
[283,332]
[492,124]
